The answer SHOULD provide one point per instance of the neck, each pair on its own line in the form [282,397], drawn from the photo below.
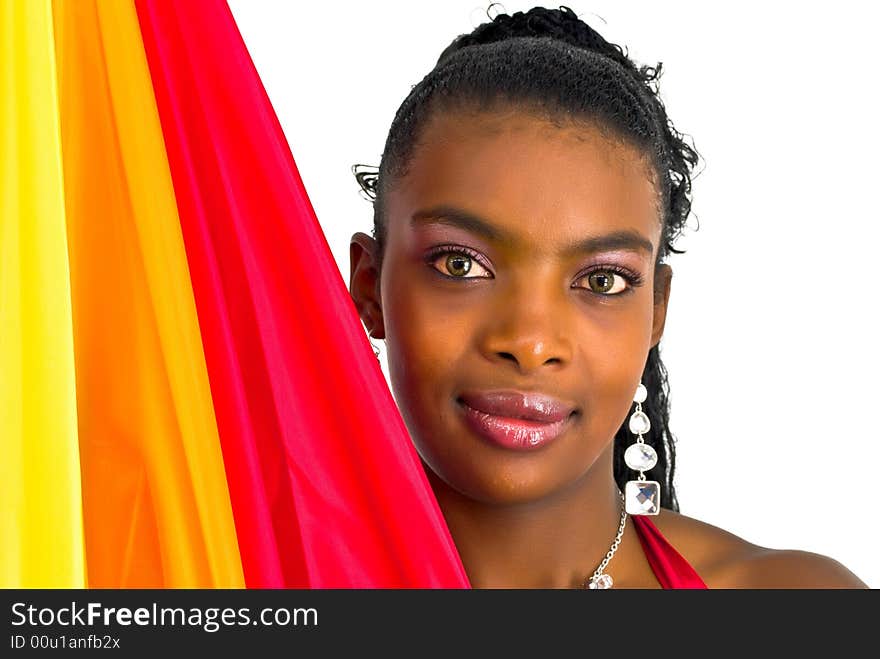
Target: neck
[556,542]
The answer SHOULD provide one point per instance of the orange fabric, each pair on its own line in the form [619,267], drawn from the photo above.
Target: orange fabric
[155,501]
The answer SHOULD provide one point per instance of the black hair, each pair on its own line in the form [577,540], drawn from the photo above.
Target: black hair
[550,63]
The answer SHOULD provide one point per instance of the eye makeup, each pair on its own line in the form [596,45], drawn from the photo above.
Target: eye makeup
[441,250]
[632,278]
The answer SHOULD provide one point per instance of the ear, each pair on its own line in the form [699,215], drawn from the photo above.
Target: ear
[662,287]
[364,283]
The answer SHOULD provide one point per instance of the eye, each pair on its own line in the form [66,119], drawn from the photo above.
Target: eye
[609,281]
[457,262]
[606,282]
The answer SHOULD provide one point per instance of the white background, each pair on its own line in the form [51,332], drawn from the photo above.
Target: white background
[771,336]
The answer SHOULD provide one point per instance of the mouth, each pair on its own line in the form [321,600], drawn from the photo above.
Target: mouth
[516,421]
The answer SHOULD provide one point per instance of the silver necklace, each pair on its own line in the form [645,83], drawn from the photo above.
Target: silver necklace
[599,578]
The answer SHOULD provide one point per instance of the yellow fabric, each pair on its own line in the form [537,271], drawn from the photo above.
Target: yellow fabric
[103,369]
[41,524]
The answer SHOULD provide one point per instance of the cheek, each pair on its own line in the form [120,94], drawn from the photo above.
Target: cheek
[425,343]
[615,354]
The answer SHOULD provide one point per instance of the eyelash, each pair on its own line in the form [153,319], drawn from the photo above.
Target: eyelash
[633,279]
[436,252]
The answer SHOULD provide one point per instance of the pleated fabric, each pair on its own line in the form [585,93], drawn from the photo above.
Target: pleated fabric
[41,526]
[188,397]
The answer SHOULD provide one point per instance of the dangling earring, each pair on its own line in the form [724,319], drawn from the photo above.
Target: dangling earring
[375,349]
[642,496]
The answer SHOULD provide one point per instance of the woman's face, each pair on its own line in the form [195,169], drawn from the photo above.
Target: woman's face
[549,291]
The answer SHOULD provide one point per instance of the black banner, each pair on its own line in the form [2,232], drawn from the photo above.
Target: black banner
[546,622]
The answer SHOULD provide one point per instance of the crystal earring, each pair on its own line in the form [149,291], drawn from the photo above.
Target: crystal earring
[642,496]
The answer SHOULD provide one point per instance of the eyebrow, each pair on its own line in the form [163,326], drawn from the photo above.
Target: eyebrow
[626,239]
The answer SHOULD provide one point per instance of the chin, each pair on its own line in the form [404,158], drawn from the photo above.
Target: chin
[499,487]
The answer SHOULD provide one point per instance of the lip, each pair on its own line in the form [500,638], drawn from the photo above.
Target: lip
[516,420]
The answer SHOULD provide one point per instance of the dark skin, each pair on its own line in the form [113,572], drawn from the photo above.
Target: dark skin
[524,314]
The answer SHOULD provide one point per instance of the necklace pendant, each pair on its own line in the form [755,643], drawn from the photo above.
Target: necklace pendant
[601,581]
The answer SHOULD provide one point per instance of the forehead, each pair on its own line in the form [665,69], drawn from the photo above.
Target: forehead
[544,183]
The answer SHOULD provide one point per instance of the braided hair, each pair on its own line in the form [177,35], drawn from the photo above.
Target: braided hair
[552,64]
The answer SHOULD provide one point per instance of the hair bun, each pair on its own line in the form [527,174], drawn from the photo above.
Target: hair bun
[562,24]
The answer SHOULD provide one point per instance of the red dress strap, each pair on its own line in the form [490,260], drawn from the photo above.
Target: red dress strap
[671,568]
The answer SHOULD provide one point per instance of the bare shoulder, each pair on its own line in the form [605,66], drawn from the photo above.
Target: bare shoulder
[725,560]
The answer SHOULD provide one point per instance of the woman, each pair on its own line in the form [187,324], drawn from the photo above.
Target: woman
[529,192]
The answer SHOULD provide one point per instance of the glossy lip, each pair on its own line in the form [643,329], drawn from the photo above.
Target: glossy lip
[516,420]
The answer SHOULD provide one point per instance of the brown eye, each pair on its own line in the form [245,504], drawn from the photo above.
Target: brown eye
[458,265]
[605,282]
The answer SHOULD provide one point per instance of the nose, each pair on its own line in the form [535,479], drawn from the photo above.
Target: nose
[527,330]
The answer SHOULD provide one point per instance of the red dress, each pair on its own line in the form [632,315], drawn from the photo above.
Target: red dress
[670,567]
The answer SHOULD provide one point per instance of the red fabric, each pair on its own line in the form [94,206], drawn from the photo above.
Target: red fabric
[327,489]
[671,568]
